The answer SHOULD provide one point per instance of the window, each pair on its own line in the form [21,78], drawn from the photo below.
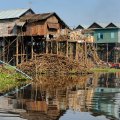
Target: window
[100,36]
[112,35]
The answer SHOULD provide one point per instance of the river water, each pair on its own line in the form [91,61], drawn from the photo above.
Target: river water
[92,97]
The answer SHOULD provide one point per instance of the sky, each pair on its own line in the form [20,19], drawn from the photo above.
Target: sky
[72,12]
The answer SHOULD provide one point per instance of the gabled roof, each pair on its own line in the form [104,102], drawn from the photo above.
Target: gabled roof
[111,25]
[79,27]
[104,25]
[15,13]
[39,17]
[94,26]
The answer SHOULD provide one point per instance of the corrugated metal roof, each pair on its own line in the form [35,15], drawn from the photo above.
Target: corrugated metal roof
[16,13]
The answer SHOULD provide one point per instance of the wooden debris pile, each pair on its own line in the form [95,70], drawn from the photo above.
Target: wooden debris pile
[51,64]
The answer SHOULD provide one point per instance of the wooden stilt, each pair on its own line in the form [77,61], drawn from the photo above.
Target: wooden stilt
[46,46]
[57,47]
[17,51]
[66,48]
[21,49]
[85,54]
[76,51]
[3,50]
[51,48]
[31,47]
[107,52]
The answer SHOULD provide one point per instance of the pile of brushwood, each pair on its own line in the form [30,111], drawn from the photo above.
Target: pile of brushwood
[52,64]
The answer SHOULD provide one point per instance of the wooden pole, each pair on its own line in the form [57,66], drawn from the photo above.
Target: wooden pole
[107,53]
[3,50]
[21,50]
[51,51]
[66,48]
[85,54]
[57,47]
[17,51]
[31,47]
[76,51]
[46,46]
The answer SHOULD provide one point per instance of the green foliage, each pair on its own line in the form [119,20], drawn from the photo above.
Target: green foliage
[9,79]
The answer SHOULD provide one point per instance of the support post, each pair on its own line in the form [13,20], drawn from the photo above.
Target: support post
[107,53]
[66,48]
[31,47]
[76,51]
[51,51]
[17,51]
[85,54]
[46,46]
[57,47]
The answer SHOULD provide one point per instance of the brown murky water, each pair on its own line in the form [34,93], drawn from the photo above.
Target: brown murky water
[92,97]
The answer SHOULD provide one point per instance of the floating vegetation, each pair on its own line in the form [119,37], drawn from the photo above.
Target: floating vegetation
[10,78]
[110,70]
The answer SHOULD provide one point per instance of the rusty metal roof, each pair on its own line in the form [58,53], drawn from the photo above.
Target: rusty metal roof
[15,13]
[36,17]
[40,17]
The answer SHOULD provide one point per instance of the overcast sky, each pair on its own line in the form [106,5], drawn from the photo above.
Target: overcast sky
[73,12]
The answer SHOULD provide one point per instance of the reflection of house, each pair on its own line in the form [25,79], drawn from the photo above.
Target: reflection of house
[80,100]
[6,103]
[40,106]
[106,101]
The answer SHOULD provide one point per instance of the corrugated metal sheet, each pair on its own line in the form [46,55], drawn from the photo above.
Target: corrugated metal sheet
[6,14]
[5,29]
[9,28]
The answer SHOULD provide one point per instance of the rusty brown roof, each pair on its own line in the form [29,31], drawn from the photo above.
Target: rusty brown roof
[39,17]
[36,17]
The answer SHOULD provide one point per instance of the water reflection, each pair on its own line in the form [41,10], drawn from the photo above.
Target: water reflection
[90,97]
